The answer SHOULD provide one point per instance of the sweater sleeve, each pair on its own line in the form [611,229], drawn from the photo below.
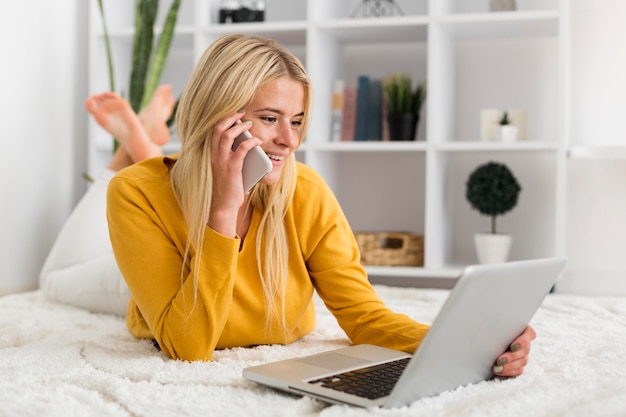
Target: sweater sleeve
[148,243]
[333,260]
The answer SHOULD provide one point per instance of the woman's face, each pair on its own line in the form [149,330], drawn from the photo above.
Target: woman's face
[277,111]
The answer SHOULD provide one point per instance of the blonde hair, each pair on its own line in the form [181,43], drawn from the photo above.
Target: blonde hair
[223,81]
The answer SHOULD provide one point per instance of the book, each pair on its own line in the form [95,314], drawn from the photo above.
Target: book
[374,111]
[336,111]
[348,120]
[385,123]
[362,100]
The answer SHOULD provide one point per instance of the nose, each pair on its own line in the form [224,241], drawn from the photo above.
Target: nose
[288,136]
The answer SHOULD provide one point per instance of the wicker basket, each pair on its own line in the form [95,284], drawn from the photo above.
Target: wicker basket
[391,248]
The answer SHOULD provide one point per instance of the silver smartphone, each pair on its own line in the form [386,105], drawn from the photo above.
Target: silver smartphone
[256,164]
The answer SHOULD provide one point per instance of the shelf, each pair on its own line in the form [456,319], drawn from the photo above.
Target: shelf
[127,32]
[468,56]
[529,24]
[597,152]
[380,30]
[286,33]
[496,146]
[370,146]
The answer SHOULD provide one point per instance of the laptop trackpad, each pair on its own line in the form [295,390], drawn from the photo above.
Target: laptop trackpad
[333,361]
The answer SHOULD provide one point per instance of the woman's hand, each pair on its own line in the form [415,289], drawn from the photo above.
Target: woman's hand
[513,361]
[227,166]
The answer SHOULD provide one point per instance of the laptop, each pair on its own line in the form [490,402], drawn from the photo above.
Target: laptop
[488,307]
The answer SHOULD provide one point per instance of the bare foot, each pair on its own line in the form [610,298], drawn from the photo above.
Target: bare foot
[154,116]
[116,116]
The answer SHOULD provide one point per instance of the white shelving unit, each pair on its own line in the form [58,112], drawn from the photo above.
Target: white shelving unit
[471,59]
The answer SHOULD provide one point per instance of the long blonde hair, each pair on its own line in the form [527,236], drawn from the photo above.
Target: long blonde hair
[223,81]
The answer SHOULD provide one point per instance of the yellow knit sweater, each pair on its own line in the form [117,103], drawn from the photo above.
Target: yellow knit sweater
[149,235]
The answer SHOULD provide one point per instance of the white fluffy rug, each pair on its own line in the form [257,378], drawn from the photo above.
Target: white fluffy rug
[61,361]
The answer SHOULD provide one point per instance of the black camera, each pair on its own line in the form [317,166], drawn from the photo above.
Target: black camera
[237,11]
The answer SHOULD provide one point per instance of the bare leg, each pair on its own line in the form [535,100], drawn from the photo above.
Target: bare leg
[81,269]
[120,160]
[154,116]
[115,115]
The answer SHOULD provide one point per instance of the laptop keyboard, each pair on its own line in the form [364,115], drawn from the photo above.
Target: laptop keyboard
[372,382]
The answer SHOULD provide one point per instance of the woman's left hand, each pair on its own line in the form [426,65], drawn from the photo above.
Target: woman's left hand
[513,361]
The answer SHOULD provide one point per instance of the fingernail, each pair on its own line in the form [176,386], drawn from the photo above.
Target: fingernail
[497,369]
[241,110]
[502,361]
[515,347]
[248,122]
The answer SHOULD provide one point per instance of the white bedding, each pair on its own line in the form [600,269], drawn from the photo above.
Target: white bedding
[57,360]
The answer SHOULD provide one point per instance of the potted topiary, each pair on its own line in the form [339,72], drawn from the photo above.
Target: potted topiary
[403,104]
[505,131]
[492,190]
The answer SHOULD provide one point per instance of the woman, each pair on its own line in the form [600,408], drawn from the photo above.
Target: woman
[80,269]
[209,266]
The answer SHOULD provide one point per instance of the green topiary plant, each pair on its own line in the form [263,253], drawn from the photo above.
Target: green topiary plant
[492,190]
[504,120]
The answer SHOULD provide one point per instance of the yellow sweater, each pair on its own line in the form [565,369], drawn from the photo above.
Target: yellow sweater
[149,234]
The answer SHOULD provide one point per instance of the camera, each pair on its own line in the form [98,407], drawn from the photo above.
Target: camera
[236,11]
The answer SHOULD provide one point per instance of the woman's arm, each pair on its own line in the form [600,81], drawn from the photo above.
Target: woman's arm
[149,237]
[332,257]
[342,283]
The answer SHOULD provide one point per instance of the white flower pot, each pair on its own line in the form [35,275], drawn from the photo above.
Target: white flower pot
[492,248]
[505,133]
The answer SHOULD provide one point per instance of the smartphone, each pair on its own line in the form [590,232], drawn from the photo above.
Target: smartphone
[256,164]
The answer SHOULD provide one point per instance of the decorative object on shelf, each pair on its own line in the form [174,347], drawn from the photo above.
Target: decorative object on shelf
[403,105]
[490,124]
[505,131]
[146,67]
[336,110]
[493,190]
[376,8]
[391,248]
[238,11]
[501,5]
[369,112]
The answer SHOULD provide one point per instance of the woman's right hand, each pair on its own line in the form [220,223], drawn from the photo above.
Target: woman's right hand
[227,166]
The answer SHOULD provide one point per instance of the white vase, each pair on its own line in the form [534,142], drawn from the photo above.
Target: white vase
[492,248]
[505,133]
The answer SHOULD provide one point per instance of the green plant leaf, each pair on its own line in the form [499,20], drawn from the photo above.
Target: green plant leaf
[107,45]
[161,52]
[145,15]
[504,120]
[401,97]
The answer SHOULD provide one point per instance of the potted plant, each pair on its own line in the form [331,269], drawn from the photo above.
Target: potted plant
[403,105]
[505,131]
[147,65]
[493,190]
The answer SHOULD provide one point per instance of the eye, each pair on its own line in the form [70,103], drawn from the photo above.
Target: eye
[297,123]
[269,119]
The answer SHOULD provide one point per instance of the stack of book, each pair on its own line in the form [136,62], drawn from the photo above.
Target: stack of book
[358,112]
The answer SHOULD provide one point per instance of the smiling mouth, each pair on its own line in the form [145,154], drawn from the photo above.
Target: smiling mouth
[276,157]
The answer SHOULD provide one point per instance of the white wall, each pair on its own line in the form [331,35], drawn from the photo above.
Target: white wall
[43,76]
